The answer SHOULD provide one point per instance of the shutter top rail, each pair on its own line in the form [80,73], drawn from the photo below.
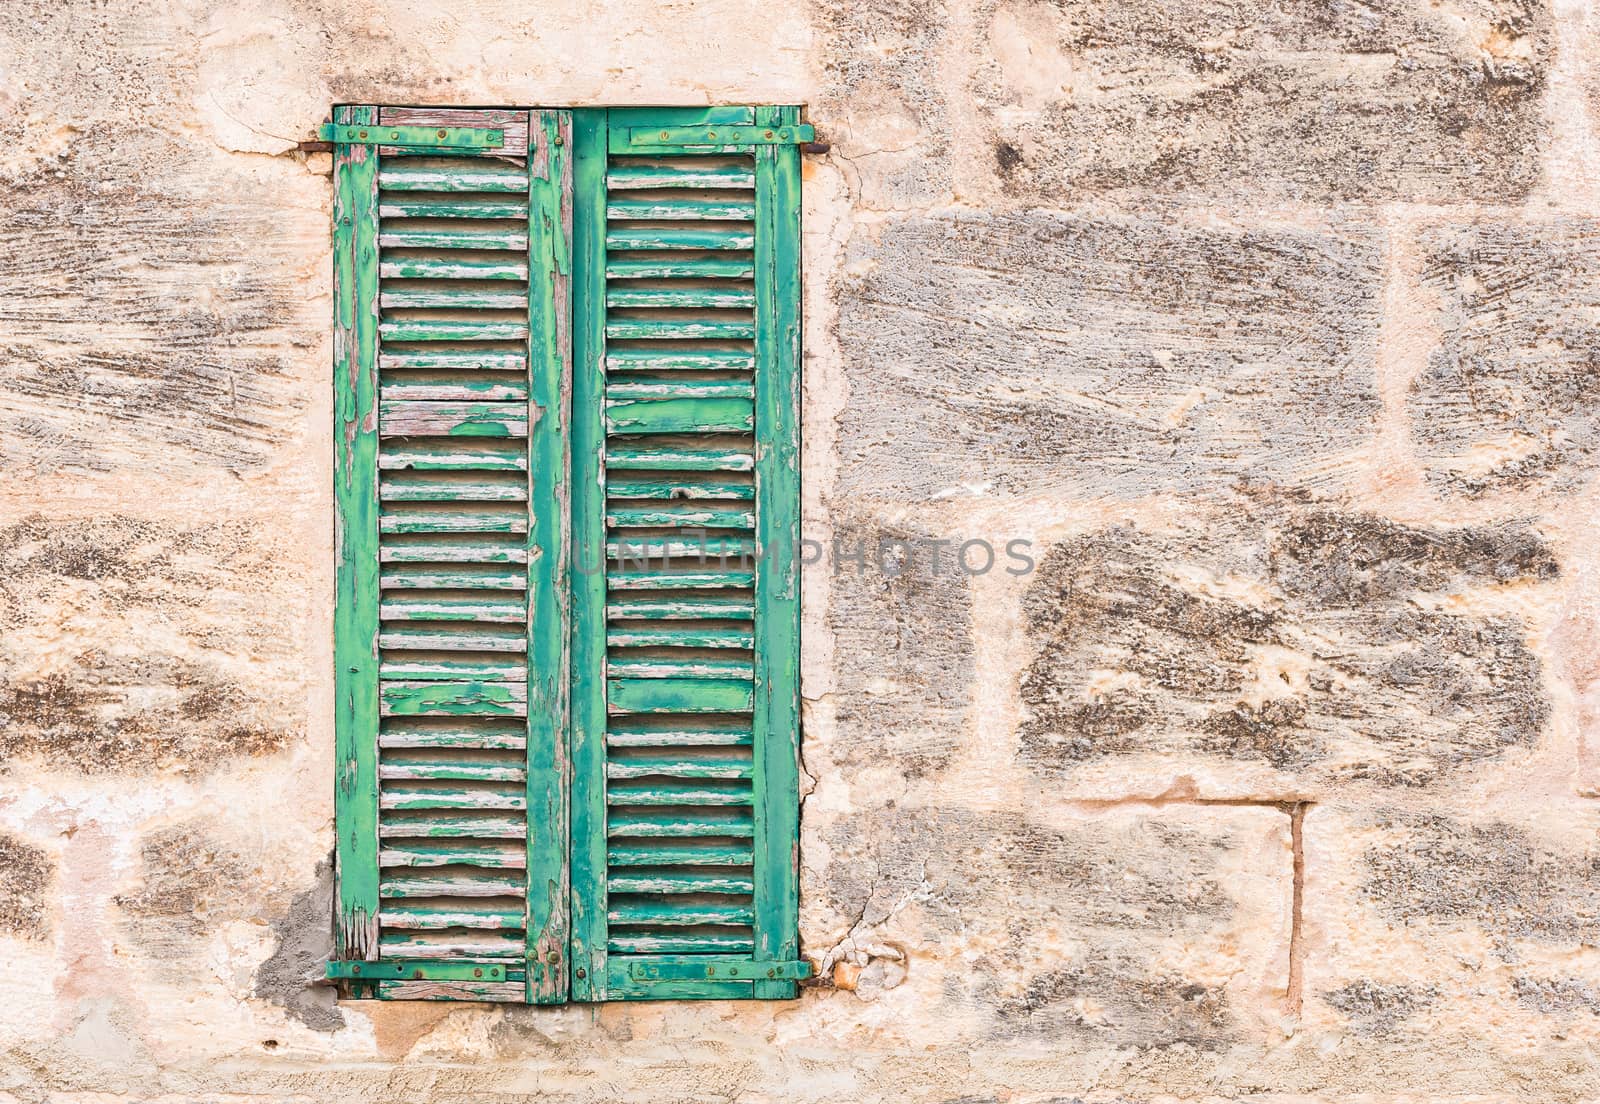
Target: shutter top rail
[413,137]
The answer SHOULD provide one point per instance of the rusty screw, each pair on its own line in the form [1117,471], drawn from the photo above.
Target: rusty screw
[355,969]
[477,973]
[442,134]
[560,141]
[417,974]
[363,134]
[582,972]
[553,956]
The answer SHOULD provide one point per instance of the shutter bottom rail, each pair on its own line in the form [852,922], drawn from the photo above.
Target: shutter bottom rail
[425,970]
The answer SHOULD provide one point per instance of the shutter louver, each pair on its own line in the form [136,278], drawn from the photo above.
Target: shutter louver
[676,845]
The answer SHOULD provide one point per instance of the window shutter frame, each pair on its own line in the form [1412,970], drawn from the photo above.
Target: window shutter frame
[769,967]
[565,717]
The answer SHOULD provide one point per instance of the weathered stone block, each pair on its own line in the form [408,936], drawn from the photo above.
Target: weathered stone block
[903,650]
[155,314]
[1284,642]
[883,105]
[1510,398]
[1137,927]
[1405,101]
[133,644]
[1462,929]
[1014,354]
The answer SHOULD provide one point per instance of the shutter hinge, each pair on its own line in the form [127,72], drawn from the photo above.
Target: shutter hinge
[411,137]
[691,968]
[790,134]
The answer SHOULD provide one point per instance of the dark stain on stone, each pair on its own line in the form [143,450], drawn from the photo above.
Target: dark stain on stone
[189,880]
[1557,996]
[1288,633]
[293,976]
[26,874]
[1007,157]
[1376,1009]
[1492,876]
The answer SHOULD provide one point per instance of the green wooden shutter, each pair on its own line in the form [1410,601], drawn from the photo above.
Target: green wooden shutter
[452,360]
[685,594]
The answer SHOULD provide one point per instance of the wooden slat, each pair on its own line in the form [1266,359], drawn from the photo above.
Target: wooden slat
[451,298]
[404,176]
[453,826]
[478,945]
[453,419]
[678,386]
[681,575]
[450,638]
[489,577]
[665,358]
[404,237]
[680,416]
[683,207]
[452,885]
[648,732]
[452,268]
[679,824]
[680,765]
[665,636]
[485,855]
[423,488]
[654,456]
[453,699]
[693,514]
[668,328]
[430,329]
[633,236]
[397,519]
[640,943]
[658,793]
[680,606]
[676,852]
[463,733]
[683,695]
[446,550]
[683,487]
[507,609]
[681,881]
[699,172]
[404,206]
[421,917]
[408,667]
[457,454]
[666,268]
[672,914]
[459,798]
[709,295]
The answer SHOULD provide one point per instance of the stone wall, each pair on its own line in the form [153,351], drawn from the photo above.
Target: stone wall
[1273,330]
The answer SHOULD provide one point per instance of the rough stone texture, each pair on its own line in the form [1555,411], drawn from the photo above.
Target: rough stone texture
[1138,355]
[1312,640]
[904,693]
[1309,101]
[1512,904]
[1507,402]
[136,642]
[1268,325]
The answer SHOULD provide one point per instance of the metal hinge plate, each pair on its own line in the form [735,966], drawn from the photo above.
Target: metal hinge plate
[790,134]
[413,137]
[691,968]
